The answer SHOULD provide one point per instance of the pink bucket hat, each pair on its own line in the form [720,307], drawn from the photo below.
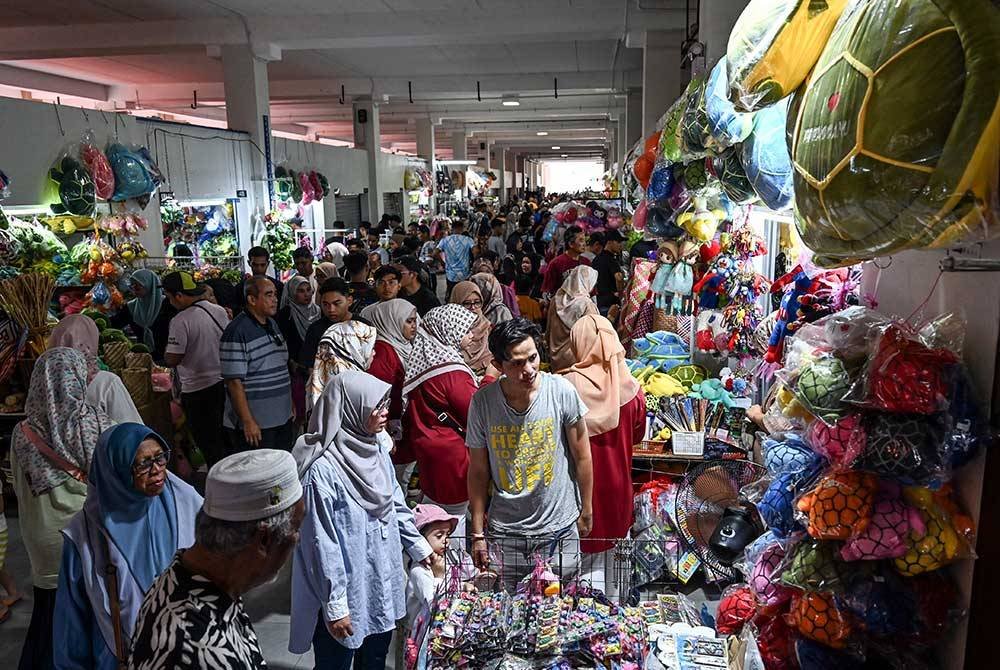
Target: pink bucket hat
[425,514]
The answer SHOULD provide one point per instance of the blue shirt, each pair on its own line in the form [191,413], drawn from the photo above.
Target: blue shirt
[257,354]
[457,251]
[347,562]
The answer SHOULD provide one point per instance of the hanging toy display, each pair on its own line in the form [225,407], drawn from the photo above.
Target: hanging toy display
[97,166]
[76,188]
[840,505]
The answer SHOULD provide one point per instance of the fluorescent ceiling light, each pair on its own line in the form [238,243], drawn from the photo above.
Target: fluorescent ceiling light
[565,155]
[542,133]
[510,100]
[456,162]
[27,210]
[556,148]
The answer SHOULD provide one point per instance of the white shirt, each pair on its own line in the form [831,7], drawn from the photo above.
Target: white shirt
[195,333]
[107,393]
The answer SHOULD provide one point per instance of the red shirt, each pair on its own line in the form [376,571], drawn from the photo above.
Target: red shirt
[387,367]
[557,269]
[440,451]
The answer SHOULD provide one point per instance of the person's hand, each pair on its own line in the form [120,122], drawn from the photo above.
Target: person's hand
[251,432]
[480,554]
[585,523]
[436,565]
[341,628]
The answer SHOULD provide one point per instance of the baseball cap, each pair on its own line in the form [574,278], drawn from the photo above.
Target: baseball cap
[183,283]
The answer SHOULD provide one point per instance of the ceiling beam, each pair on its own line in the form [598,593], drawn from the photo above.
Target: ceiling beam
[493,26]
[52,83]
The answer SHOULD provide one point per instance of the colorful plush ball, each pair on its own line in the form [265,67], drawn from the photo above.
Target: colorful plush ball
[884,606]
[643,169]
[789,454]
[840,505]
[814,566]
[736,608]
[774,642]
[906,377]
[817,616]
[821,387]
[661,183]
[841,443]
[940,543]
[815,656]
[903,447]
[777,505]
[888,533]
[764,578]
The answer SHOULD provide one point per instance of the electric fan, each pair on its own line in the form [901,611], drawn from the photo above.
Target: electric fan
[709,494]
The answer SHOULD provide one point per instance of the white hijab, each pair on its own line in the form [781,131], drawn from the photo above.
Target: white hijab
[388,318]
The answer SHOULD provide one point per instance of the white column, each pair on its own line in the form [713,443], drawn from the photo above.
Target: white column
[716,19]
[425,139]
[661,77]
[247,109]
[366,136]
[459,145]
[489,157]
[633,117]
[502,184]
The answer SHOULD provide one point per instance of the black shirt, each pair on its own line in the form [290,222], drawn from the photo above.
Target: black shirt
[307,352]
[363,295]
[607,266]
[424,300]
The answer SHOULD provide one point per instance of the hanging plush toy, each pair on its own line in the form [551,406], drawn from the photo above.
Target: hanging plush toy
[282,183]
[306,186]
[905,376]
[841,443]
[76,188]
[777,505]
[98,167]
[888,533]
[673,291]
[711,288]
[815,566]
[822,386]
[817,616]
[944,534]
[789,454]
[317,186]
[702,223]
[132,175]
[795,284]
[840,505]
[903,447]
[764,577]
[737,606]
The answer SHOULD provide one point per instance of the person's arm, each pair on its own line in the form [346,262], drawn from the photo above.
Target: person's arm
[478,482]
[579,447]
[238,396]
[176,343]
[323,567]
[72,618]
[413,542]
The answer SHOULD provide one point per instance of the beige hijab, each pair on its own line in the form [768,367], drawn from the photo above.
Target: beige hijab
[571,303]
[600,375]
[477,351]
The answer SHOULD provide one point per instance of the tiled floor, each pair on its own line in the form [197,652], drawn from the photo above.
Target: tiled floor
[268,606]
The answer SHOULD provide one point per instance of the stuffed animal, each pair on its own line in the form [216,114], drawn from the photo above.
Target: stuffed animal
[795,284]
[76,188]
[711,288]
[100,170]
[840,505]
[132,176]
[944,537]
[702,223]
[672,287]
[737,606]
[818,617]
[841,443]
[888,533]
[317,186]
[308,193]
[764,577]
[713,391]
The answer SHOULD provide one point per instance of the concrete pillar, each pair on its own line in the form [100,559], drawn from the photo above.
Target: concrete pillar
[366,137]
[623,145]
[459,145]
[661,77]
[502,184]
[489,156]
[716,19]
[425,139]
[247,109]
[633,117]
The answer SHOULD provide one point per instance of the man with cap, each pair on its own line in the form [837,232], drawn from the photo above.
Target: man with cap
[610,275]
[193,348]
[193,616]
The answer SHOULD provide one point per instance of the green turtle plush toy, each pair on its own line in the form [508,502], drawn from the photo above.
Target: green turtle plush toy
[76,188]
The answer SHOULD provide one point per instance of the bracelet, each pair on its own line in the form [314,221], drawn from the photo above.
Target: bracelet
[478,536]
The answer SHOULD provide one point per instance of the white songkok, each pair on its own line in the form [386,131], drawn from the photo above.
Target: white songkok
[252,485]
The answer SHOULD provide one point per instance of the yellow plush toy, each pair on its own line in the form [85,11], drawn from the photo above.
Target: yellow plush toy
[702,223]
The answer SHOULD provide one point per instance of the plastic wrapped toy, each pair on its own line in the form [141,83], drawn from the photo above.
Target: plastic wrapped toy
[840,505]
[887,534]
[817,616]
[765,157]
[821,387]
[764,578]
[726,125]
[905,376]
[841,443]
[98,167]
[76,188]
[777,504]
[773,47]
[789,453]
[813,565]
[813,655]
[737,606]
[727,168]
[948,533]
[903,447]
[903,107]
[133,178]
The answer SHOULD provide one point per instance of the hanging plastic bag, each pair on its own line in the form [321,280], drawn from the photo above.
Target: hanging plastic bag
[132,176]
[97,166]
[726,125]
[766,160]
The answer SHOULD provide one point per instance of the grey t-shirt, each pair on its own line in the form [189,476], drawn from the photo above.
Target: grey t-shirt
[534,483]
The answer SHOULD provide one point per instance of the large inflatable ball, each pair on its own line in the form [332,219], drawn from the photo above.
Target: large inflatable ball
[774,45]
[765,157]
[726,125]
[896,136]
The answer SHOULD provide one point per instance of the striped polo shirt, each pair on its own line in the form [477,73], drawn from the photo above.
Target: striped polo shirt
[257,354]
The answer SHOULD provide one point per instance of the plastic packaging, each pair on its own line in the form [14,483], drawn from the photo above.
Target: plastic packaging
[818,617]
[840,443]
[727,168]
[97,166]
[904,447]
[840,505]
[896,137]
[133,178]
[814,565]
[888,532]
[74,185]
[822,385]
[766,159]
[736,607]
[949,533]
[773,47]
[726,125]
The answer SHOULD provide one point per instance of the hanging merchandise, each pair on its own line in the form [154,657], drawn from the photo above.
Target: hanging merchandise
[133,175]
[75,187]
[97,166]
[278,239]
[411,180]
[727,167]
[773,47]
[282,183]
[896,137]
[726,125]
[306,187]
[765,157]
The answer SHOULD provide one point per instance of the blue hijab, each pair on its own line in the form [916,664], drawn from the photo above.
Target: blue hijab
[144,529]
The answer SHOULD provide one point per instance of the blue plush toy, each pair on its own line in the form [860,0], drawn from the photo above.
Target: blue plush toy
[713,391]
[728,127]
[790,454]
[765,157]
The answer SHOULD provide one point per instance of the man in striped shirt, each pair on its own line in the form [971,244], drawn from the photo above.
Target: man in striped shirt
[254,360]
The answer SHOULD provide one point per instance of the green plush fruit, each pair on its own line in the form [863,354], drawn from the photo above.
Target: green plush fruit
[895,140]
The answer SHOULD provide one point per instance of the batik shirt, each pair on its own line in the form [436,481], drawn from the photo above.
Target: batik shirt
[186,621]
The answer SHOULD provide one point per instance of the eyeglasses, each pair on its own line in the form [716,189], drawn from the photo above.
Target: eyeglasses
[145,466]
[472,304]
[383,405]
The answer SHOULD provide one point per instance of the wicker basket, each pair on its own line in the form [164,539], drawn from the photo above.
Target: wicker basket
[650,447]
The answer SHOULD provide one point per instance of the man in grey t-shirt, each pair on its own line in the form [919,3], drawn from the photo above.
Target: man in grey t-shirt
[528,444]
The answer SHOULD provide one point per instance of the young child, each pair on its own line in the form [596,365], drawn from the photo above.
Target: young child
[6,579]
[436,526]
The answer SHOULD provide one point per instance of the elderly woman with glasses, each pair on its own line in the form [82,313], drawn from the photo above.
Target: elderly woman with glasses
[136,517]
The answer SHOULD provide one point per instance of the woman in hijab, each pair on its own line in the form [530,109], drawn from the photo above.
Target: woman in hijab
[50,457]
[347,572]
[530,266]
[475,349]
[148,314]
[570,304]
[105,389]
[616,420]
[395,324]
[294,320]
[437,392]
[494,308]
[344,346]
[326,270]
[136,517]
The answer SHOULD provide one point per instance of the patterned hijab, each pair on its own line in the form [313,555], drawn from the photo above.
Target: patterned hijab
[388,318]
[571,303]
[436,348]
[58,413]
[78,332]
[325,271]
[600,375]
[337,430]
[494,308]
[477,351]
[144,310]
[302,316]
[344,346]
